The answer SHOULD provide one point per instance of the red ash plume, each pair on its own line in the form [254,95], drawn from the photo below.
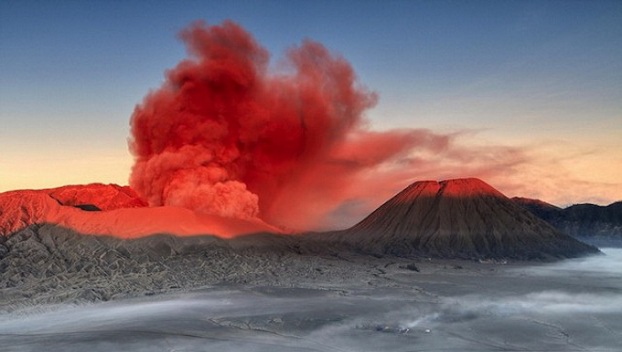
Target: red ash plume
[225,135]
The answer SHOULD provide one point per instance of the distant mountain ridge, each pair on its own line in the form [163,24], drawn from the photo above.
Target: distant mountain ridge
[579,220]
[462,218]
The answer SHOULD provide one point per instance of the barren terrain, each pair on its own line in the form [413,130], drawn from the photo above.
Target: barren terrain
[198,294]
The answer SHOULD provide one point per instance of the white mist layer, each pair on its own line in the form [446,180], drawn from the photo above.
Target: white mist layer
[574,305]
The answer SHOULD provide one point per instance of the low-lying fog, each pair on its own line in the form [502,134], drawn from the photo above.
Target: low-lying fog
[574,305]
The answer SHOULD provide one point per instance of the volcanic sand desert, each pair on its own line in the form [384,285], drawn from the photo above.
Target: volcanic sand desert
[239,297]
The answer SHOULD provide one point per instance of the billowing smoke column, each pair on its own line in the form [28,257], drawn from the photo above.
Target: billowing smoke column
[225,135]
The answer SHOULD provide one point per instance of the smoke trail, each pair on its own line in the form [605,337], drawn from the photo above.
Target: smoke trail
[226,136]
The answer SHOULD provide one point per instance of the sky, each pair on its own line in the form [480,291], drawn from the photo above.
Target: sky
[531,89]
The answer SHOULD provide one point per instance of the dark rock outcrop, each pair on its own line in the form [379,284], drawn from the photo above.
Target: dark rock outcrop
[87,207]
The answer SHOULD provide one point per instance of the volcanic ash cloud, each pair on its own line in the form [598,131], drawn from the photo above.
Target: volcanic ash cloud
[226,135]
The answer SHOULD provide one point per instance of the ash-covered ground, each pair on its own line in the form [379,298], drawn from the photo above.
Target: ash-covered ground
[237,297]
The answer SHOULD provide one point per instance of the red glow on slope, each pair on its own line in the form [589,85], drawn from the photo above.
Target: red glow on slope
[105,197]
[456,188]
[468,187]
[19,209]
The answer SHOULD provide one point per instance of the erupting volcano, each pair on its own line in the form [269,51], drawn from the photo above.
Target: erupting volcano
[231,145]
[229,135]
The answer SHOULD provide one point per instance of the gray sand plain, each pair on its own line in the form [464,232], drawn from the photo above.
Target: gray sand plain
[355,303]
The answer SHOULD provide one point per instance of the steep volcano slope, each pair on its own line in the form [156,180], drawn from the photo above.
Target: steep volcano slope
[463,218]
[579,220]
